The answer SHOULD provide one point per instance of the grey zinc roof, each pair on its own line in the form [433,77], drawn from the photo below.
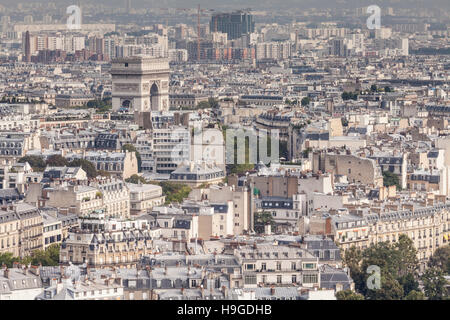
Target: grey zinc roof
[18,280]
[330,276]
[289,293]
[9,193]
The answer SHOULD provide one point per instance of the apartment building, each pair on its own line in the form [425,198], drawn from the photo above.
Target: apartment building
[120,164]
[357,169]
[214,219]
[16,144]
[31,228]
[175,226]
[428,227]
[120,247]
[196,174]
[241,198]
[277,265]
[185,100]
[273,50]
[283,211]
[115,195]
[143,197]
[18,176]
[52,230]
[396,164]
[79,199]
[9,232]
[171,147]
[83,289]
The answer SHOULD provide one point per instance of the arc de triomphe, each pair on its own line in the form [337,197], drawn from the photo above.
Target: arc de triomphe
[140,84]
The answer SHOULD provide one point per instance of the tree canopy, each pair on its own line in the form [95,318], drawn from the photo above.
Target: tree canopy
[441,259]
[174,192]
[305,101]
[86,165]
[391,179]
[48,257]
[136,179]
[36,162]
[57,160]
[349,95]
[263,219]
[398,265]
[349,295]
[435,285]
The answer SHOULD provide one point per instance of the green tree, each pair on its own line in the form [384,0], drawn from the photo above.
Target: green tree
[213,103]
[101,106]
[435,284]
[349,95]
[263,219]
[103,173]
[305,101]
[175,192]
[136,179]
[415,295]
[441,259]
[344,122]
[36,162]
[53,253]
[56,161]
[398,267]
[405,256]
[391,179]
[348,295]
[352,258]
[306,152]
[409,284]
[48,257]
[7,259]
[86,165]
[390,289]
[131,148]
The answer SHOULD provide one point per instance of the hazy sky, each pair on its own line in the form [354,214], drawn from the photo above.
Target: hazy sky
[255,4]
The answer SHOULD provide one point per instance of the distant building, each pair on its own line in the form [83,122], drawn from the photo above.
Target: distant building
[235,24]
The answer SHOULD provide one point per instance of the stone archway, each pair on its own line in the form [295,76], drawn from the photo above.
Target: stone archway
[154,97]
[126,105]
